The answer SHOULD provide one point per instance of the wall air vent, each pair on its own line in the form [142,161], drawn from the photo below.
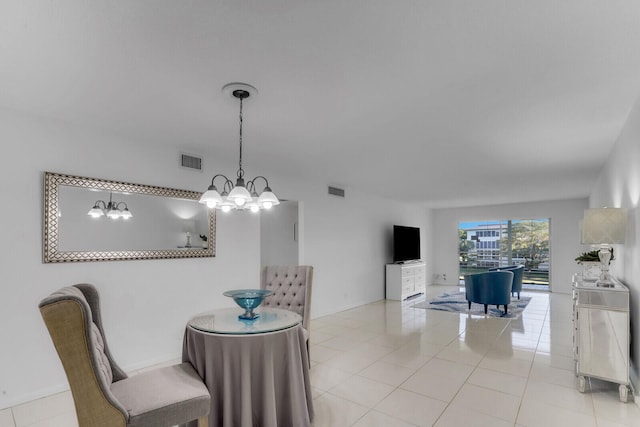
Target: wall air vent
[190,162]
[334,191]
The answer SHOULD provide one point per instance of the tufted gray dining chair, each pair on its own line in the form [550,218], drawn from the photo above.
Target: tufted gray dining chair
[291,286]
[103,394]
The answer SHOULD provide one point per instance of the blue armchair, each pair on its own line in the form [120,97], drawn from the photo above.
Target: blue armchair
[518,274]
[489,288]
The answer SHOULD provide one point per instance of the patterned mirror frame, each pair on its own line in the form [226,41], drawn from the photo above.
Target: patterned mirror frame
[51,254]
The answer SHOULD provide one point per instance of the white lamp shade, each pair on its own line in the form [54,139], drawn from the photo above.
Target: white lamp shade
[113,214]
[95,212]
[211,198]
[267,199]
[239,195]
[126,214]
[604,226]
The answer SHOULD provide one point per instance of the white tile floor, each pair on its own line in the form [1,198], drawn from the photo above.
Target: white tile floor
[387,364]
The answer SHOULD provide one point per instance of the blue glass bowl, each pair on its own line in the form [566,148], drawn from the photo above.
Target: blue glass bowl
[249,299]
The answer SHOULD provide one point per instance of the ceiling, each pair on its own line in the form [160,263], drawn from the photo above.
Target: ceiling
[447,102]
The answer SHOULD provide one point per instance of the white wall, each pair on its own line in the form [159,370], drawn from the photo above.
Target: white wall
[147,303]
[348,241]
[619,186]
[564,236]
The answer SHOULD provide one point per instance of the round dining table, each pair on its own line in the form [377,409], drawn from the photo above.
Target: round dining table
[256,371]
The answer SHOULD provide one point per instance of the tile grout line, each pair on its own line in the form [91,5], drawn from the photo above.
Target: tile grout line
[524,392]
[468,376]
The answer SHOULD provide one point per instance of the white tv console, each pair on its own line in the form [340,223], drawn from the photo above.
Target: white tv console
[405,280]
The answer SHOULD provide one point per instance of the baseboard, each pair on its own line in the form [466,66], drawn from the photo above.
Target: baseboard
[152,362]
[62,387]
[35,395]
[633,380]
[343,308]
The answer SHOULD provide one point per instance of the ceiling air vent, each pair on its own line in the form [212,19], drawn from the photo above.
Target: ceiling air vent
[334,191]
[190,162]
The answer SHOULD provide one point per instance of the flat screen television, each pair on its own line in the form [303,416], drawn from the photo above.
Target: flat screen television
[406,243]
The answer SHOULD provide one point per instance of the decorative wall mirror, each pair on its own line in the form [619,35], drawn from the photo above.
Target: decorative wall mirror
[89,219]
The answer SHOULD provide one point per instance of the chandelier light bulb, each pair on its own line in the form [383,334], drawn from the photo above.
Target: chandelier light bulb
[225,208]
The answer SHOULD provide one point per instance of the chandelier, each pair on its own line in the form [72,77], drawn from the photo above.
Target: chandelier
[240,196]
[111,210]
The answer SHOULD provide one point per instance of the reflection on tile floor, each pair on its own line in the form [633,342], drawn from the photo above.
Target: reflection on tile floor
[388,364]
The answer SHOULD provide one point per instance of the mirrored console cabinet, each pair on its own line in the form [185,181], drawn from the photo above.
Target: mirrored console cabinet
[601,333]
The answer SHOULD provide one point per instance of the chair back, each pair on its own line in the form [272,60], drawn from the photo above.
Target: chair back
[490,287]
[291,286]
[72,316]
[518,275]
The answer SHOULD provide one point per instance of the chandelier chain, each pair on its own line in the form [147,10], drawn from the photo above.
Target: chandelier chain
[240,170]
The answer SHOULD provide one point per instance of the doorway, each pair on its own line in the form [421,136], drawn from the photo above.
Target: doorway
[279,234]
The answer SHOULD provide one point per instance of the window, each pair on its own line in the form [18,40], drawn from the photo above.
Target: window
[488,244]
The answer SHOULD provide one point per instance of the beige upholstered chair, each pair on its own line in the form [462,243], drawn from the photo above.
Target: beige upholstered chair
[291,286]
[102,393]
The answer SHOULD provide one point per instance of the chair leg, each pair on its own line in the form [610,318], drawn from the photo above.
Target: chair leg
[485,309]
[518,295]
[505,308]
[469,304]
[203,421]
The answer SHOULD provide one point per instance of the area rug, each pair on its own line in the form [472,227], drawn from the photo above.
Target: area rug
[455,302]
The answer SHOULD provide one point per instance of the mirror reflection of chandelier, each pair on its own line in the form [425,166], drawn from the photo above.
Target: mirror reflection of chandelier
[112,209]
[240,196]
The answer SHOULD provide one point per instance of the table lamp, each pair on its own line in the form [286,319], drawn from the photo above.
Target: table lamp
[604,227]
